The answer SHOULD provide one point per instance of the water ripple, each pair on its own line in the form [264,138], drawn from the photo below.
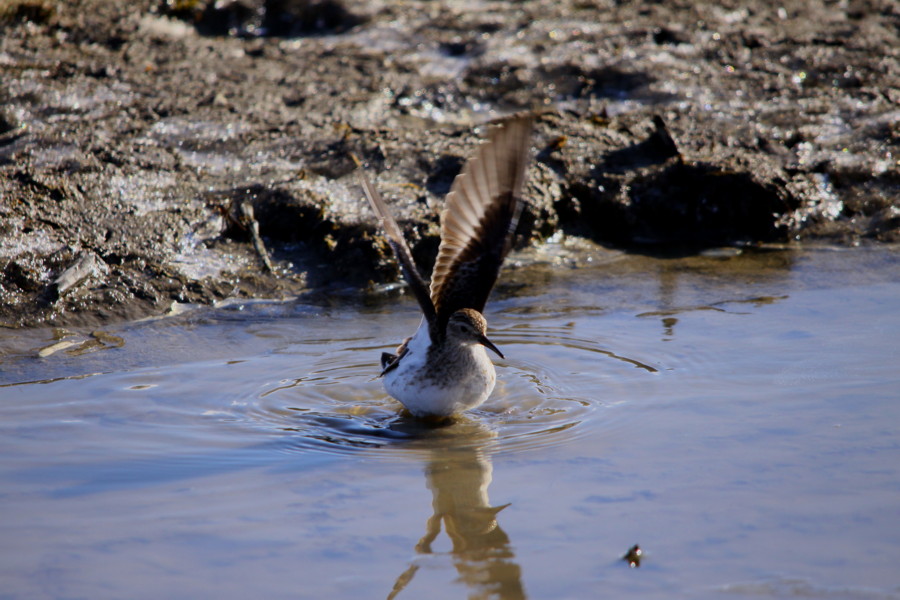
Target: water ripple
[316,390]
[338,404]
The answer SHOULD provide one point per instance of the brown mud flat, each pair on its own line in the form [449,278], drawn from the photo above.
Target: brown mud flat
[155,152]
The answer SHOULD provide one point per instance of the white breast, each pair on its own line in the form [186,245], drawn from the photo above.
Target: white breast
[442,389]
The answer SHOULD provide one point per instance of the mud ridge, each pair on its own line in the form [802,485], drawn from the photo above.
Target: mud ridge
[193,151]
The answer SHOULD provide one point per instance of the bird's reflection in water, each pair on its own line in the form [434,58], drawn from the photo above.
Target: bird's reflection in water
[458,472]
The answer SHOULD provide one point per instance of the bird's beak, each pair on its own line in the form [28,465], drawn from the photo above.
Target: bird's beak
[484,341]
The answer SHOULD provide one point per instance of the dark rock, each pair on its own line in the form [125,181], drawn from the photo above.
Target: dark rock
[276,18]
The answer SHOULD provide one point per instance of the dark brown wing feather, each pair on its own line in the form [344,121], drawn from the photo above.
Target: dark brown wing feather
[479,218]
[401,250]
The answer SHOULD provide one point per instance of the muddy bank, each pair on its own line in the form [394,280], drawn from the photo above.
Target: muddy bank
[191,152]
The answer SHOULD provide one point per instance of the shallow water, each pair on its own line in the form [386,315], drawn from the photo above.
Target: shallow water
[735,415]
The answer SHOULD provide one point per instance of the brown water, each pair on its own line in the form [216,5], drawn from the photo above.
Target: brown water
[735,415]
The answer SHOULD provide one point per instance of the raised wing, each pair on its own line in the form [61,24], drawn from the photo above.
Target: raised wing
[479,218]
[400,248]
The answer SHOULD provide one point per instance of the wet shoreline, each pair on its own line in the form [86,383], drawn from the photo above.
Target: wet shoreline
[141,147]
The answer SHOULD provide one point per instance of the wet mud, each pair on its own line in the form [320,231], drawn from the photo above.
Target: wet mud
[154,153]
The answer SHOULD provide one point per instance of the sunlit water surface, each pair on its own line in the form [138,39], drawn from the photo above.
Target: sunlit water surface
[736,416]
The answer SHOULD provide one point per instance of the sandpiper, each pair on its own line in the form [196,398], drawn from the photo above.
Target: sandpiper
[443,369]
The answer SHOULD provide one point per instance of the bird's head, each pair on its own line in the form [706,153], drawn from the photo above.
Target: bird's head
[468,326]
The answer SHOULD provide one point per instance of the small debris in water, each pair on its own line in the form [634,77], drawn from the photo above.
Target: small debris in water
[99,340]
[113,341]
[86,346]
[633,556]
[54,348]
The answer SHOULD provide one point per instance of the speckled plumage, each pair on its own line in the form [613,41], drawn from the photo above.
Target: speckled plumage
[444,369]
[440,380]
